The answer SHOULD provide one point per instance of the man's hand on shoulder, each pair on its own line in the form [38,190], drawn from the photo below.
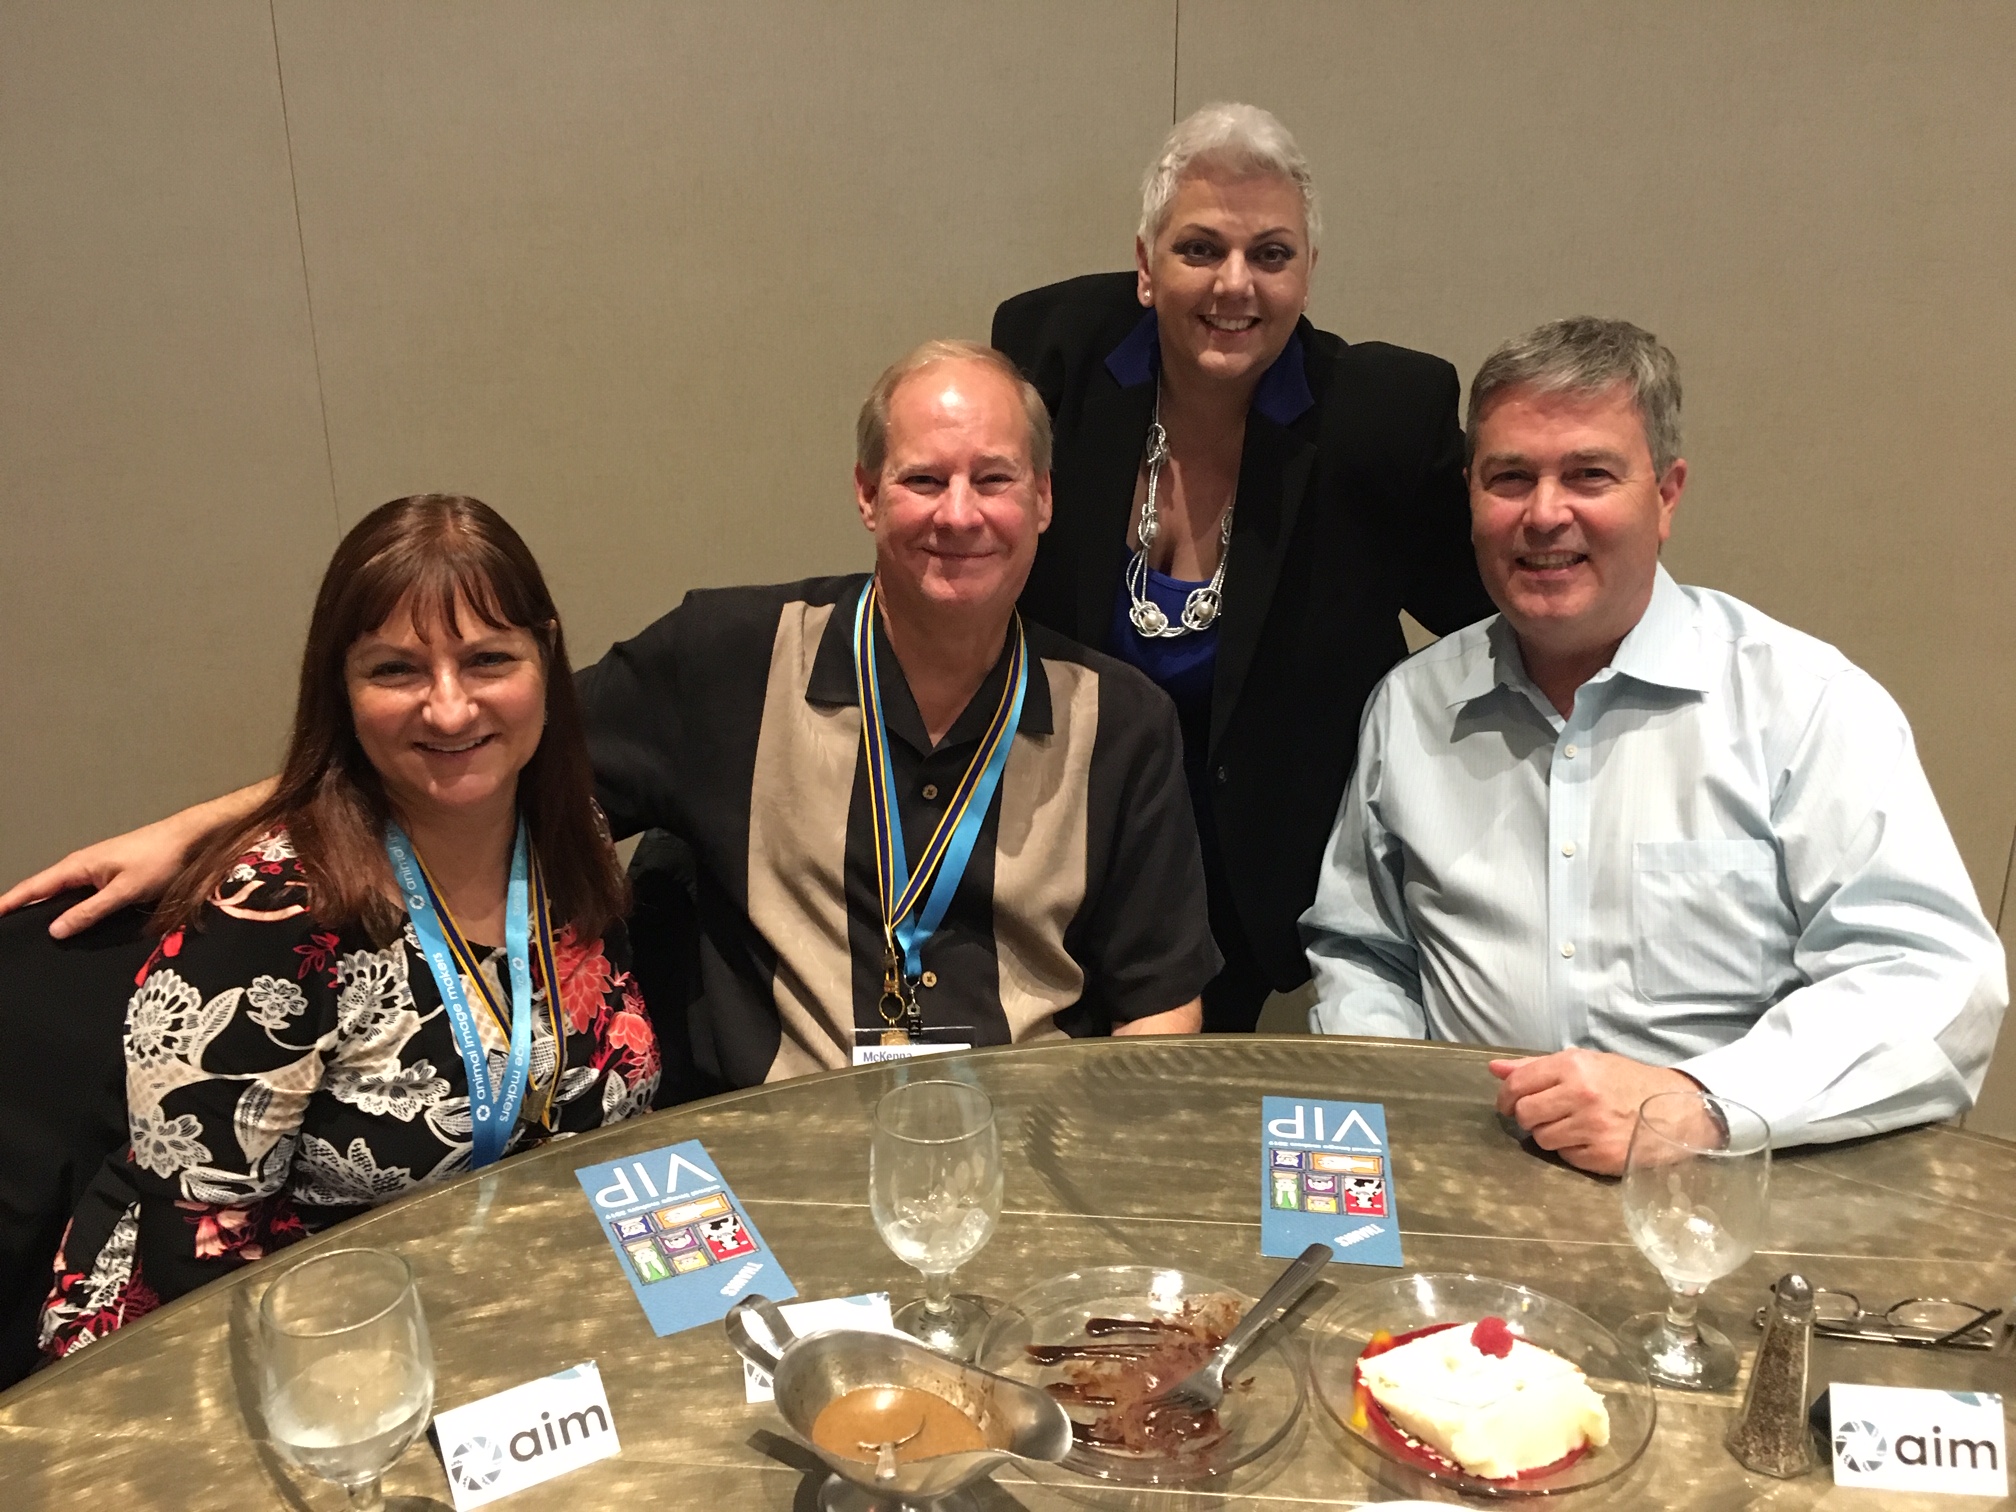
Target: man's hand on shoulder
[135,867]
[1582,1104]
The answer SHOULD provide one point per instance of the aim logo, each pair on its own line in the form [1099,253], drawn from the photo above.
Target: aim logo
[1861,1446]
[500,1444]
[477,1461]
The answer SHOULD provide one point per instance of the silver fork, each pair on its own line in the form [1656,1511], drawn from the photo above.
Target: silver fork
[1204,1387]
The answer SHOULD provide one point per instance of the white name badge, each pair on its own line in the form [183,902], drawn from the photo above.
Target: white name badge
[1899,1438]
[868,1313]
[942,1040]
[526,1435]
[875,1055]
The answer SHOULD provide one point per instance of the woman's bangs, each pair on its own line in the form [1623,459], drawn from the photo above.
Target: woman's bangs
[436,590]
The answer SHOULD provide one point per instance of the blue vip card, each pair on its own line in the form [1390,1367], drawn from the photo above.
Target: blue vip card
[1326,1177]
[685,1243]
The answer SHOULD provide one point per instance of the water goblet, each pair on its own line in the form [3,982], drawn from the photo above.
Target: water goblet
[934,1187]
[346,1374]
[1697,1183]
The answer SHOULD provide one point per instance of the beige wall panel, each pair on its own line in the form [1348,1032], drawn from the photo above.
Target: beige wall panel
[625,270]
[1811,203]
[164,492]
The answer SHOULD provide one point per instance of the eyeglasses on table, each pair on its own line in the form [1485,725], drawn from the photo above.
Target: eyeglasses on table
[1922,1322]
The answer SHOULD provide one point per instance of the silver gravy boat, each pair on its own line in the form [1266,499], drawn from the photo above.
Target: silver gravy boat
[1018,1421]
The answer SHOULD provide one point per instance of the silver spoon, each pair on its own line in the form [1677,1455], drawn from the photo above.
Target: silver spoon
[885,1451]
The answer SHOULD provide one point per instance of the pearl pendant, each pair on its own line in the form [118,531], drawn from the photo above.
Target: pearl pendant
[1148,617]
[1201,608]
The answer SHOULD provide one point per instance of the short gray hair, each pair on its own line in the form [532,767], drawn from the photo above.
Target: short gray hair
[871,430]
[1585,354]
[1241,138]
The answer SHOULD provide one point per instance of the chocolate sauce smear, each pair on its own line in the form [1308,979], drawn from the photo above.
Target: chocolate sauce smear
[1121,1381]
[1098,1328]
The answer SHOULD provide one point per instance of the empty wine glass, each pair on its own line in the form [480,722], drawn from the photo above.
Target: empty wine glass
[1697,1185]
[934,1187]
[345,1371]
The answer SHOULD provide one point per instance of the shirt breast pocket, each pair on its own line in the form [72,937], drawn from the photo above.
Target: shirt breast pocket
[1702,912]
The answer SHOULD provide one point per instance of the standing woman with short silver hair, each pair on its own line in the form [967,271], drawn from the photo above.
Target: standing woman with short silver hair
[1243,506]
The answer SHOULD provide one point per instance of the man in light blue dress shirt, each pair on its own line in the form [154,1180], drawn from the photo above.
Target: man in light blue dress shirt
[1644,828]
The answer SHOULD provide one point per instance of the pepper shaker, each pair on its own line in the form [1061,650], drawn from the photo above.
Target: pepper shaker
[1770,1434]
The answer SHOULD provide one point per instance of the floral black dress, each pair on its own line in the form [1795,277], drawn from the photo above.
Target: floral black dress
[282,1076]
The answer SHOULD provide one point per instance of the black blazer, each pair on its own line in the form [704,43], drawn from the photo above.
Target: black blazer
[1352,512]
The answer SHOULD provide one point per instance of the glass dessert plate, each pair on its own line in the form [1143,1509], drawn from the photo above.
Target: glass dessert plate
[1262,1397]
[1411,1304]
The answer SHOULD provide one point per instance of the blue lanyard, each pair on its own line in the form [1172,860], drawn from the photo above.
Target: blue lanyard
[905,925]
[493,1112]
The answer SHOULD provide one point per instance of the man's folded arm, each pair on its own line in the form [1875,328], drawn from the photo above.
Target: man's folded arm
[632,702]
[1905,980]
[1367,970]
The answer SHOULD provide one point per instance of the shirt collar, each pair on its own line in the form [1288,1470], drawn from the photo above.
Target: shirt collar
[1495,663]
[1663,648]
[1283,394]
[832,683]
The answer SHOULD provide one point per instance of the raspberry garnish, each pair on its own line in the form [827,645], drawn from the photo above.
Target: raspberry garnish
[1492,1337]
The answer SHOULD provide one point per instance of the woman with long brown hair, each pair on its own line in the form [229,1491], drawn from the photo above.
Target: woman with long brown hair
[406,963]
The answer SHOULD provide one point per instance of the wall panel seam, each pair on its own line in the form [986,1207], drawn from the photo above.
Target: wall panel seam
[307,287]
[2008,871]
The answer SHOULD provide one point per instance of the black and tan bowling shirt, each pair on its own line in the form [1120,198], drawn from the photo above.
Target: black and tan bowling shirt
[733,723]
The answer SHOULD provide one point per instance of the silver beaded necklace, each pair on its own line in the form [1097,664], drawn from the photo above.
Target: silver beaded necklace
[1201,608]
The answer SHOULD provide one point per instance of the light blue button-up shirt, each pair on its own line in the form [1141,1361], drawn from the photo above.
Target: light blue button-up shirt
[1726,859]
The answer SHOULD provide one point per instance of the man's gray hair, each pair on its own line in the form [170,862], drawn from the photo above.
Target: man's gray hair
[1585,354]
[1241,139]
[871,430]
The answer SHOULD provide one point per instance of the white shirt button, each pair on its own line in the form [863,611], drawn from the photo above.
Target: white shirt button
[1568,848]
[1567,947]
[1569,752]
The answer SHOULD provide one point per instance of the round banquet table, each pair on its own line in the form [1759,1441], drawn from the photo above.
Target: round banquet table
[1116,1151]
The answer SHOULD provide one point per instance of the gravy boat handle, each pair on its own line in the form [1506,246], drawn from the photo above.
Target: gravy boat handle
[745,1342]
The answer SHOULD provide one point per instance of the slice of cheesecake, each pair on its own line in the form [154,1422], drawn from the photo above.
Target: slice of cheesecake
[1486,1399]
